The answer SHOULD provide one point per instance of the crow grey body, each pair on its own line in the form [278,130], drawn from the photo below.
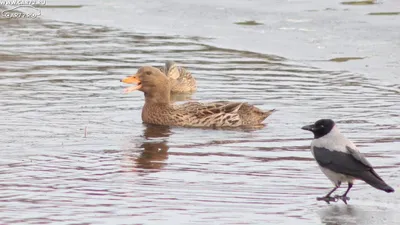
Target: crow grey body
[340,160]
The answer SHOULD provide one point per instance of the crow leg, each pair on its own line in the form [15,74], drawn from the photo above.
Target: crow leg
[344,197]
[327,198]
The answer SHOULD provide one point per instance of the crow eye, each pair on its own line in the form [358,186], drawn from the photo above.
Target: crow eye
[322,125]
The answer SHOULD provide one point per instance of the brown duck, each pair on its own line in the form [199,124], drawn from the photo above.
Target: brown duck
[179,78]
[159,110]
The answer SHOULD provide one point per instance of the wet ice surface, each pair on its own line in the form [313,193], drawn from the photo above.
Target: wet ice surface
[309,31]
[58,78]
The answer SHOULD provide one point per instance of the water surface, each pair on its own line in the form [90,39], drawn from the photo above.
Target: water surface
[58,79]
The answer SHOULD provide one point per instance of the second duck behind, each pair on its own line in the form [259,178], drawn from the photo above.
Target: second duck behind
[158,109]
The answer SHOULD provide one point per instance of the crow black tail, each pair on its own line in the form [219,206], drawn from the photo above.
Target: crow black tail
[371,178]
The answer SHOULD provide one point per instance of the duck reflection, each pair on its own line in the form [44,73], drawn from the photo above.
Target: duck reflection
[155,147]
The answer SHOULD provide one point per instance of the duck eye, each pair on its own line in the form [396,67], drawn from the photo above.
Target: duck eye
[148,72]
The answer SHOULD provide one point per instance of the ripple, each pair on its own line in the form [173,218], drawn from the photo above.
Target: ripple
[58,79]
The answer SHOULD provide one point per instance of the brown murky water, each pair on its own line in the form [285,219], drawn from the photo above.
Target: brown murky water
[58,79]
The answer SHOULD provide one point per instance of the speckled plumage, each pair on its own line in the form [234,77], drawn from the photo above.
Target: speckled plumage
[214,114]
[158,109]
[179,78]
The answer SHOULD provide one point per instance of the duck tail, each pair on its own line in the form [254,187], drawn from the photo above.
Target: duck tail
[269,112]
[265,114]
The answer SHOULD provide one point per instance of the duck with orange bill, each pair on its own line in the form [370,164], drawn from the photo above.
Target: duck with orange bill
[159,110]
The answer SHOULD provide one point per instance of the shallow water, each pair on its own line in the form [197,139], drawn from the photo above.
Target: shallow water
[74,150]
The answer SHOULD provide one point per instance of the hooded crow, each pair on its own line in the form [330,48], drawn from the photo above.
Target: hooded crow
[340,160]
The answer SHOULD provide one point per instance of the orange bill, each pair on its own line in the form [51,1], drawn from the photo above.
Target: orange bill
[132,80]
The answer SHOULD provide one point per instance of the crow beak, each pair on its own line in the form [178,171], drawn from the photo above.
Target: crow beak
[309,127]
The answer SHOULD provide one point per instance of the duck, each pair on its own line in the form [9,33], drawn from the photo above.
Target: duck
[179,78]
[159,110]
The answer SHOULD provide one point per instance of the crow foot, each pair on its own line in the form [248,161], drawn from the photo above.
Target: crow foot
[327,199]
[344,198]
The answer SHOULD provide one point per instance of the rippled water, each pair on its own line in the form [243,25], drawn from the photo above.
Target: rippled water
[74,149]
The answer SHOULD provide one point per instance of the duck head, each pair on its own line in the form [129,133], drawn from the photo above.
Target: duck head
[151,81]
